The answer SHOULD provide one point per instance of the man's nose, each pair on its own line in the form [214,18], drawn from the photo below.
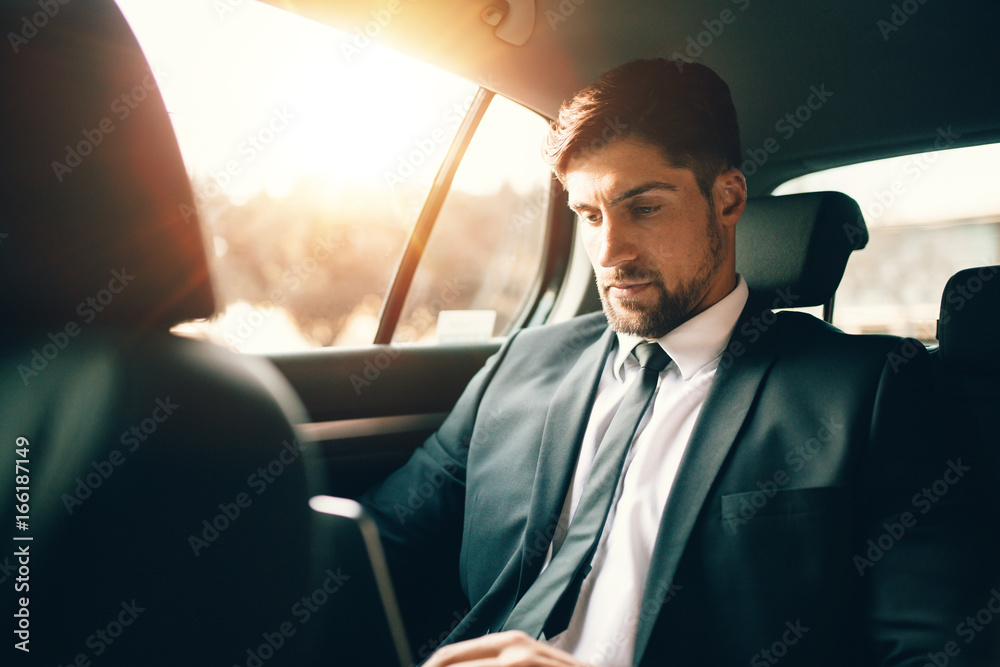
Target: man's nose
[617,243]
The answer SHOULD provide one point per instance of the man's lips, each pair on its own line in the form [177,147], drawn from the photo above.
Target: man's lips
[624,290]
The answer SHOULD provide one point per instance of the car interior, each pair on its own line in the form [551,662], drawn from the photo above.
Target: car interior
[173,446]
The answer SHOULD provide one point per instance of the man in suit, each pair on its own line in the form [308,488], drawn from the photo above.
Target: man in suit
[763,507]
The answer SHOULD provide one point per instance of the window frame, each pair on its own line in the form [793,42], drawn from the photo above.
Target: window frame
[558,237]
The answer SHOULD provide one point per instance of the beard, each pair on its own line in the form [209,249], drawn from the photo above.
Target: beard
[671,308]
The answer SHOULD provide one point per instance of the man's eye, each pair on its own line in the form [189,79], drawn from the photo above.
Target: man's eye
[645,211]
[592,218]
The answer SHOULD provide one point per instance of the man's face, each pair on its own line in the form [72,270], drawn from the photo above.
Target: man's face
[658,249]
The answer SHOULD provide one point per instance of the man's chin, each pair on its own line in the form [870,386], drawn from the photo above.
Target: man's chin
[636,317]
[631,318]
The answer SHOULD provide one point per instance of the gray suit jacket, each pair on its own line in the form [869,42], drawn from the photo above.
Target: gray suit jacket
[796,528]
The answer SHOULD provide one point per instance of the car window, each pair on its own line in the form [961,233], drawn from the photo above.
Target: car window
[311,153]
[928,215]
[485,251]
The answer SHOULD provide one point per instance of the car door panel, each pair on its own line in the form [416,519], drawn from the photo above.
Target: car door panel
[370,407]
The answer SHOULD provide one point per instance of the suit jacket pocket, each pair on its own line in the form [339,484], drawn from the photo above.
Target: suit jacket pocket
[784,556]
[793,543]
[742,507]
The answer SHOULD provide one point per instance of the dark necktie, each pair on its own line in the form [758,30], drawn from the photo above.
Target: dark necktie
[548,604]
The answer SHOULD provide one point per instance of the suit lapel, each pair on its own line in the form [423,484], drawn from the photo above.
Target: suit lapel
[562,434]
[726,407]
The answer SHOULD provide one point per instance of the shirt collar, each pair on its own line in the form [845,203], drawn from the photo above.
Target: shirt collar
[698,341]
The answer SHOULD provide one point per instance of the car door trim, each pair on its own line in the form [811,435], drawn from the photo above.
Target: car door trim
[359,428]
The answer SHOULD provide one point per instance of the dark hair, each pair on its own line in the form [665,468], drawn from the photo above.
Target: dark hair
[683,108]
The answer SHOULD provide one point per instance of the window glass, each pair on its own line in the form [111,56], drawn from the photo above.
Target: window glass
[310,157]
[928,216]
[485,251]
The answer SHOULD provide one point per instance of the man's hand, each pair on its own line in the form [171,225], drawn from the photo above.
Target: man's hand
[503,649]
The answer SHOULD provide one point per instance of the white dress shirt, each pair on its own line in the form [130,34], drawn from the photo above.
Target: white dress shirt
[603,626]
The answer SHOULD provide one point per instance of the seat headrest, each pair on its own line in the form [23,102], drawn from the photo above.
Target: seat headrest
[95,201]
[969,324]
[799,243]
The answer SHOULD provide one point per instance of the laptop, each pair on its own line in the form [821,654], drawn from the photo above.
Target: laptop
[369,626]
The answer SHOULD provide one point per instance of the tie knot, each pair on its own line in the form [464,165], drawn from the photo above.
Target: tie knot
[651,355]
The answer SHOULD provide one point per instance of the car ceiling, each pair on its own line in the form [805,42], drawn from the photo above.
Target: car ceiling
[893,84]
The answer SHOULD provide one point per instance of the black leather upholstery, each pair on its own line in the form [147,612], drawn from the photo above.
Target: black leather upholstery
[969,325]
[968,393]
[163,471]
[800,243]
[968,360]
[91,179]
[168,494]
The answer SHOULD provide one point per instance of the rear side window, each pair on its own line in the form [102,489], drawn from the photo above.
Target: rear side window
[484,255]
[311,158]
[929,215]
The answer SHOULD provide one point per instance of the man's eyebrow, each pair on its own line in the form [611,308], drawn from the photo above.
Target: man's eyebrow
[641,189]
[628,194]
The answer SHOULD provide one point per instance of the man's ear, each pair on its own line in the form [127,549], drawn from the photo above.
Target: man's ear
[730,193]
